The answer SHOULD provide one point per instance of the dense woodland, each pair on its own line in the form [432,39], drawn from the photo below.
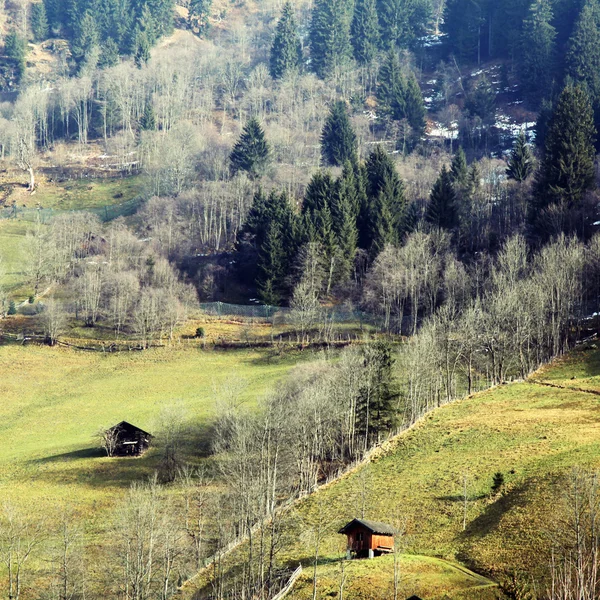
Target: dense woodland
[290,147]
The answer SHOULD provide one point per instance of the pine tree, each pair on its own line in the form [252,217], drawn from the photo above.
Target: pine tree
[39,22]
[391,89]
[481,101]
[344,212]
[109,56]
[251,152]
[538,49]
[148,119]
[318,193]
[520,161]
[15,49]
[567,169]
[459,171]
[583,56]
[386,206]
[441,211]
[464,23]
[272,266]
[376,410]
[329,37]
[286,51]
[402,22]
[365,31]
[87,38]
[338,140]
[415,107]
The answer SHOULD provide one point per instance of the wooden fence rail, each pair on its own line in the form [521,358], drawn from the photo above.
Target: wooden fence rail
[289,585]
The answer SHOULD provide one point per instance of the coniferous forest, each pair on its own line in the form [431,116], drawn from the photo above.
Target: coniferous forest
[294,232]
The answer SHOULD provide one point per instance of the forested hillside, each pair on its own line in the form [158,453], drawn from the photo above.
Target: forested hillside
[372,208]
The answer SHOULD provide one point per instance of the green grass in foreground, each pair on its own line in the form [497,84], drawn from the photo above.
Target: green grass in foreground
[424,576]
[534,435]
[55,400]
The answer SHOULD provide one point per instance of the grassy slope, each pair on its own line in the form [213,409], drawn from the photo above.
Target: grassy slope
[54,401]
[533,434]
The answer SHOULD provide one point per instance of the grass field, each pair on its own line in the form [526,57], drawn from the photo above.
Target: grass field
[78,194]
[12,274]
[54,401]
[533,434]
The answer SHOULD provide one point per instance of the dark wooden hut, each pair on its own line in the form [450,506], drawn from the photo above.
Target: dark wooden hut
[127,439]
[368,538]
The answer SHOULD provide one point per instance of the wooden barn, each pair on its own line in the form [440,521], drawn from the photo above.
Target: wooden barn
[368,538]
[125,439]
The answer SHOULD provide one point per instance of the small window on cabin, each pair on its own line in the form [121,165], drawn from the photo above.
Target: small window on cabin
[359,537]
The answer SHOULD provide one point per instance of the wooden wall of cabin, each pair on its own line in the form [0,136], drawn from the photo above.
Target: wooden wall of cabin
[386,541]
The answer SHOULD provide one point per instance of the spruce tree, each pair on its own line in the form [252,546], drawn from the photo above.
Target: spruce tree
[583,56]
[538,50]
[441,211]
[415,107]
[39,22]
[520,161]
[463,22]
[109,55]
[338,140]
[272,266]
[386,207]
[365,31]
[567,169]
[344,212]
[459,171]
[391,88]
[251,152]
[402,22]
[148,119]
[87,38]
[286,51]
[15,49]
[329,36]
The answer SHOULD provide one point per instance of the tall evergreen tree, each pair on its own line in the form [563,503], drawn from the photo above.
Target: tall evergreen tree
[583,56]
[109,55]
[386,206]
[251,152]
[148,119]
[520,161]
[391,88]
[39,22]
[415,107]
[402,22]
[567,169]
[15,49]
[538,50]
[286,51]
[344,210]
[365,31]
[464,22]
[376,405]
[338,140]
[442,211]
[272,265]
[459,170]
[329,36]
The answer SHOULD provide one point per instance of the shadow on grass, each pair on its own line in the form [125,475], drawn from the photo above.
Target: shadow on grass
[461,498]
[489,520]
[84,453]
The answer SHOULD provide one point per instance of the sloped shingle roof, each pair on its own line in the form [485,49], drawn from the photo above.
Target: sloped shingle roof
[373,526]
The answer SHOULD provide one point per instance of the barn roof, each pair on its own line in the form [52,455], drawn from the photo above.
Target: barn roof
[373,526]
[126,426]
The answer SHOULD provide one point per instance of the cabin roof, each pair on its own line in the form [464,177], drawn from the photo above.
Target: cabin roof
[373,526]
[126,426]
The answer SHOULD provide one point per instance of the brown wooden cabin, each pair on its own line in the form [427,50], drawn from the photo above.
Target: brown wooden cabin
[368,538]
[129,440]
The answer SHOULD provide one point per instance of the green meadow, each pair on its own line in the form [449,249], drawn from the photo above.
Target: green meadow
[533,434]
[54,401]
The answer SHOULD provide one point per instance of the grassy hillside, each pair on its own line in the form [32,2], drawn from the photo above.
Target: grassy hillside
[54,401]
[534,434]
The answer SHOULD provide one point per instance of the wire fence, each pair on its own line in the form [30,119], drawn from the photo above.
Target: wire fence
[281,315]
[44,215]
